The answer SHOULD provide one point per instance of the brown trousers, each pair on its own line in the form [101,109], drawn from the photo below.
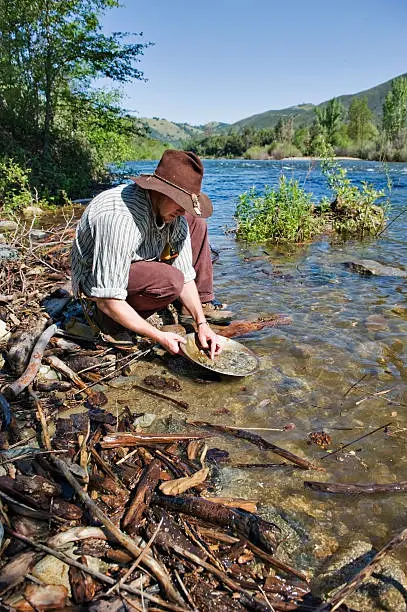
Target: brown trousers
[154,284]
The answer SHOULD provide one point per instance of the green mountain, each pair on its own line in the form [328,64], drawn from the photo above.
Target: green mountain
[176,134]
[303,114]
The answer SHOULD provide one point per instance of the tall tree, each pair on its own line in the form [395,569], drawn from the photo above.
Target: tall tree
[329,118]
[360,127]
[50,52]
[395,111]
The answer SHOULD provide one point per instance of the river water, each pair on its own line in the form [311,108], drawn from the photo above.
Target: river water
[339,367]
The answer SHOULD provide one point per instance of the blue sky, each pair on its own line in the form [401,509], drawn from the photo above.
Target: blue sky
[225,60]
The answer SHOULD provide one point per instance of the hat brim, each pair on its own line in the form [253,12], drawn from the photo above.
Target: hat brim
[149,181]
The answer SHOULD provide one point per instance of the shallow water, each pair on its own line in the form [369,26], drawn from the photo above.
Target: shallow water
[340,367]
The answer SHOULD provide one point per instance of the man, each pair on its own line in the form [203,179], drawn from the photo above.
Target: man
[125,240]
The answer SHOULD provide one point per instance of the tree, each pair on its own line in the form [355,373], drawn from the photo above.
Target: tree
[50,52]
[395,112]
[329,118]
[360,127]
[284,130]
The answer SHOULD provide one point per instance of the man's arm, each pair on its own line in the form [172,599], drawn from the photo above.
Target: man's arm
[121,312]
[190,298]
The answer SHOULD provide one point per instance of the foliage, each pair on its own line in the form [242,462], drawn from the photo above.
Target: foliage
[360,127]
[288,214]
[395,113]
[355,211]
[15,192]
[50,51]
[285,214]
[329,118]
[280,150]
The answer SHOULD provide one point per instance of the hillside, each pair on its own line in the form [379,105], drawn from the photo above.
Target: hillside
[303,114]
[176,134]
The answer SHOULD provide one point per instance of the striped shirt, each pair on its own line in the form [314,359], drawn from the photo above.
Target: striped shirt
[117,228]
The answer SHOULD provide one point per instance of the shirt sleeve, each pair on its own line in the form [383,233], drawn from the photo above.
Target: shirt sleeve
[181,242]
[114,239]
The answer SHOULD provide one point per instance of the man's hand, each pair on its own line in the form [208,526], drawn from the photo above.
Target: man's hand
[171,342]
[209,339]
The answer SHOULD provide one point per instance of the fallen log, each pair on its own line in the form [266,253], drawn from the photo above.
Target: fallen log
[260,442]
[13,390]
[251,526]
[338,487]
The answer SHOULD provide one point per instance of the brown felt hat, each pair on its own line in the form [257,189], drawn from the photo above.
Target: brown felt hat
[179,176]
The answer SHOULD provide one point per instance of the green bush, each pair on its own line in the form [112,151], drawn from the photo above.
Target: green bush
[257,152]
[280,150]
[15,192]
[285,214]
[355,211]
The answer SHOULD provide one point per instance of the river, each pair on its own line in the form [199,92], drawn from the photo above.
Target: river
[340,367]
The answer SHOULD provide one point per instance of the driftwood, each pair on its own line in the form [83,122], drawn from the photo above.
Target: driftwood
[13,390]
[251,526]
[261,443]
[344,592]
[20,345]
[142,497]
[240,328]
[97,398]
[154,566]
[369,433]
[223,537]
[180,403]
[98,575]
[120,439]
[338,487]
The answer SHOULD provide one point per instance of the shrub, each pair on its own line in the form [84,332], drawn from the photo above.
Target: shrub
[256,152]
[15,192]
[285,214]
[280,150]
[356,211]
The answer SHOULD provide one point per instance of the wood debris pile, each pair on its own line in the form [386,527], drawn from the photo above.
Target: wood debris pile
[105,514]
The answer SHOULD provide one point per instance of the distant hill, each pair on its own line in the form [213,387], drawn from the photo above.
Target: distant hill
[303,114]
[176,134]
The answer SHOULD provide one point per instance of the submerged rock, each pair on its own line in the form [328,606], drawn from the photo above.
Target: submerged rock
[381,591]
[371,267]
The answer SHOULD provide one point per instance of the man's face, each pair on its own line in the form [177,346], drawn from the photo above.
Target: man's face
[167,209]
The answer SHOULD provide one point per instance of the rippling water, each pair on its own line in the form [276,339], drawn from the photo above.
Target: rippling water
[339,367]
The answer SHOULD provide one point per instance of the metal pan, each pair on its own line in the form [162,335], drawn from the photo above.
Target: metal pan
[234,360]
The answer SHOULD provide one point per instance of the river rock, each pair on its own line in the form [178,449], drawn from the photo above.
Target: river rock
[4,332]
[8,252]
[32,211]
[52,571]
[382,591]
[8,226]
[36,234]
[375,322]
[371,267]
